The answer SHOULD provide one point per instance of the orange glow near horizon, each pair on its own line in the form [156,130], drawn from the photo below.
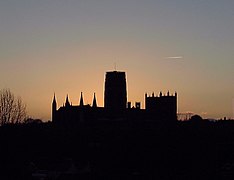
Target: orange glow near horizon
[66,48]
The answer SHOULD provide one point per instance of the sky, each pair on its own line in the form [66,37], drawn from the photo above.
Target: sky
[67,46]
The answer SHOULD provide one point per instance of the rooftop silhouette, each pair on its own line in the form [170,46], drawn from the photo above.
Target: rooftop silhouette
[161,108]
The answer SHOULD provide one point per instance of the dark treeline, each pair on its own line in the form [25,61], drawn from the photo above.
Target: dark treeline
[119,150]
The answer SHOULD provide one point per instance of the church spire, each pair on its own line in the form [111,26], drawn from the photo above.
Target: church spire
[67,103]
[81,99]
[94,101]
[54,108]
[54,99]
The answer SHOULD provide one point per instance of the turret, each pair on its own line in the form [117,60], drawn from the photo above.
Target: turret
[81,99]
[94,101]
[67,103]
[54,108]
[146,100]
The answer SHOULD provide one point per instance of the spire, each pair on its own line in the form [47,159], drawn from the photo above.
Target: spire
[94,101]
[54,109]
[67,103]
[81,99]
[54,99]
[160,94]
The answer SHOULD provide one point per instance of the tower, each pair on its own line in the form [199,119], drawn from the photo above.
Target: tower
[162,106]
[115,96]
[54,108]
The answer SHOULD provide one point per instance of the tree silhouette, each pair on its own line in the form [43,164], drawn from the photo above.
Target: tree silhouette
[196,118]
[12,109]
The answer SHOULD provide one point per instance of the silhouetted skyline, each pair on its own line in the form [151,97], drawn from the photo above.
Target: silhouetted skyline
[160,108]
[66,46]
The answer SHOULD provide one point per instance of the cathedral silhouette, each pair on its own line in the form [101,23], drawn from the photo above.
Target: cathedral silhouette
[161,108]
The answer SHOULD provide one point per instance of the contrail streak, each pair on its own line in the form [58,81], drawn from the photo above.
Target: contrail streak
[174,57]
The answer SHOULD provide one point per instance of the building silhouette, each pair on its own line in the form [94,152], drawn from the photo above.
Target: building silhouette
[161,108]
[115,91]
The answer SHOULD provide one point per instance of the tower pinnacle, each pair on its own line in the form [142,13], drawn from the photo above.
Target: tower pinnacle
[54,99]
[54,108]
[94,101]
[81,99]
[67,103]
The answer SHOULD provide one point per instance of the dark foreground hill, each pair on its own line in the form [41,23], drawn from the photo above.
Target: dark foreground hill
[118,150]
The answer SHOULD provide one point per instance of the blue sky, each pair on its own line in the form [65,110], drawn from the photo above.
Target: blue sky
[65,47]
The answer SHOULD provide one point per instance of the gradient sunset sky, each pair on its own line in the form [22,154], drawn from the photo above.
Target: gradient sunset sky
[66,46]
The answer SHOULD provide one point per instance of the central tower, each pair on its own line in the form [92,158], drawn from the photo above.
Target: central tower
[115,96]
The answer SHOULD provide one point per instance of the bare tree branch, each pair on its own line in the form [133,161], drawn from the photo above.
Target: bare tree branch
[12,110]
